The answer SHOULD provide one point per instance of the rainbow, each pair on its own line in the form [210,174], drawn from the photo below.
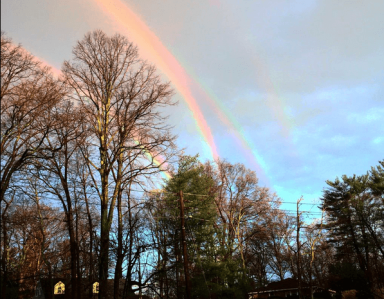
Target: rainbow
[158,163]
[152,47]
[158,160]
[272,99]
[150,43]
[231,122]
[56,72]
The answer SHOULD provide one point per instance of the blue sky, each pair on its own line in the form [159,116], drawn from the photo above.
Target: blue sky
[302,79]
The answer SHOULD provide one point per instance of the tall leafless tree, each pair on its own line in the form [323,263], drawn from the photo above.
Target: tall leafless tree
[120,96]
[59,176]
[28,95]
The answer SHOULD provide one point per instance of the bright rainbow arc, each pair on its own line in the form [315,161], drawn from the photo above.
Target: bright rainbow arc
[150,44]
[231,122]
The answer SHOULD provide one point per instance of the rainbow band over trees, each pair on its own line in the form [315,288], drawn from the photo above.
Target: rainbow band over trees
[55,71]
[158,160]
[153,47]
[150,43]
[235,128]
[158,163]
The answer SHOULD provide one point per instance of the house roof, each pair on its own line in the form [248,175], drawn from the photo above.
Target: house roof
[286,284]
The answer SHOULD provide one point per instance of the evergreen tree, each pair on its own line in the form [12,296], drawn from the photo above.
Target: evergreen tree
[199,217]
[211,275]
[355,211]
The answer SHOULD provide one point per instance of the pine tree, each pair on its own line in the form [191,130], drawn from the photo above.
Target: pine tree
[354,207]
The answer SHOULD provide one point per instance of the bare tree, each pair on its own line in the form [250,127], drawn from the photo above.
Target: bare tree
[120,96]
[36,247]
[59,176]
[28,95]
[279,229]
[240,203]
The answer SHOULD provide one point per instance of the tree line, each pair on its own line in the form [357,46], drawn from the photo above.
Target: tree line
[80,161]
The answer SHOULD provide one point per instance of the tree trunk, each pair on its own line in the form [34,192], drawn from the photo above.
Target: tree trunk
[119,259]
[128,281]
[104,253]
[184,245]
[90,293]
[4,259]
[105,225]
[72,248]
[310,275]
[78,271]
[90,223]
[178,278]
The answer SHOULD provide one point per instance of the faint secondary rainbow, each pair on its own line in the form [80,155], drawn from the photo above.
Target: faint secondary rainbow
[152,46]
[272,99]
[231,122]
[274,103]
[159,163]
[158,160]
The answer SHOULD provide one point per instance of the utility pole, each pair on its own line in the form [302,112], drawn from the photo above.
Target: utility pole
[185,253]
[312,252]
[298,247]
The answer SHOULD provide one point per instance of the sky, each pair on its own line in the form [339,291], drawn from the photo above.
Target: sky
[292,89]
